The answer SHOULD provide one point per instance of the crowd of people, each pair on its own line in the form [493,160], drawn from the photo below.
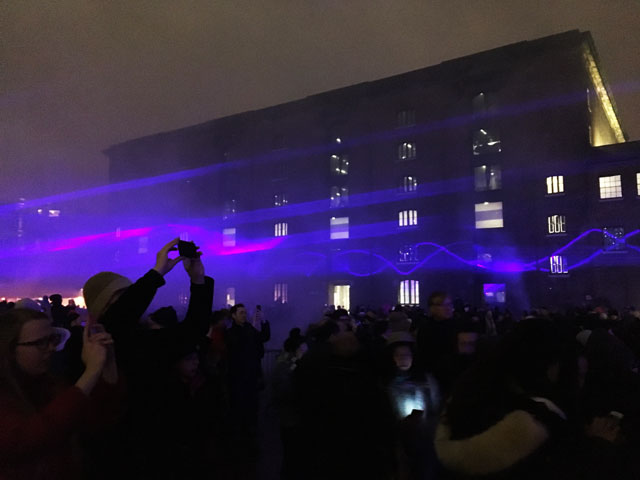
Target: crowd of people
[451,392]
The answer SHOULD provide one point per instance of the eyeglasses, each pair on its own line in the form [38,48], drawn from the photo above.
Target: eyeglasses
[43,343]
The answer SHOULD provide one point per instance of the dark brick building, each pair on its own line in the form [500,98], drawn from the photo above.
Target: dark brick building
[502,177]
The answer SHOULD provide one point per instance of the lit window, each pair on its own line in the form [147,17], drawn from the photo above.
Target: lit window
[407,218]
[558,265]
[557,224]
[486,142]
[339,197]
[614,240]
[339,228]
[610,187]
[281,293]
[54,213]
[409,184]
[478,104]
[230,296]
[229,237]
[281,229]
[339,164]
[489,215]
[280,199]
[340,296]
[638,182]
[494,293]
[409,293]
[407,254]
[406,118]
[229,208]
[488,177]
[555,184]
[143,245]
[407,151]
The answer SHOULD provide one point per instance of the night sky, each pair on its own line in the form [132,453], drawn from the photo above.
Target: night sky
[79,76]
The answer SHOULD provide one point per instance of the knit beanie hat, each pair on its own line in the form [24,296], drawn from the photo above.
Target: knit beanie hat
[100,289]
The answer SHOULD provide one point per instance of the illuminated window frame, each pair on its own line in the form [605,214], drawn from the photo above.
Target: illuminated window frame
[230,296]
[339,197]
[409,292]
[558,265]
[610,187]
[555,184]
[281,229]
[339,164]
[638,184]
[409,184]
[407,218]
[280,200]
[281,292]
[407,151]
[339,228]
[487,177]
[556,224]
[229,237]
[489,215]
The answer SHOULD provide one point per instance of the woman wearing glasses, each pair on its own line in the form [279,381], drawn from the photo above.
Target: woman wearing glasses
[38,416]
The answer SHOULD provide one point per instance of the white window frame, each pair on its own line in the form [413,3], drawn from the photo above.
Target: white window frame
[610,186]
[638,184]
[229,237]
[409,292]
[281,292]
[407,218]
[558,265]
[555,184]
[281,229]
[483,210]
[339,228]
[556,224]
[339,197]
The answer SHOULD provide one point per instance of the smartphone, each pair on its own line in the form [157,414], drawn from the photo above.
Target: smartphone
[187,249]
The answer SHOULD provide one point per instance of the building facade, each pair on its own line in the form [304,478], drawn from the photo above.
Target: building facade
[503,177]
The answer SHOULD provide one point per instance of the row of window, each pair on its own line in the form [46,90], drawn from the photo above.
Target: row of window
[609,186]
[486,177]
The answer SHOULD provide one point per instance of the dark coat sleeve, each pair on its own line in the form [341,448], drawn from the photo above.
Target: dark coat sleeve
[200,304]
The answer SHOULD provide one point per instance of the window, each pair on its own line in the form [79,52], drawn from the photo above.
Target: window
[407,218]
[280,199]
[494,293]
[143,245]
[406,151]
[281,293]
[409,184]
[281,229]
[558,265]
[339,164]
[341,296]
[488,177]
[229,209]
[229,237]
[409,293]
[555,184]
[339,228]
[638,182]
[556,224]
[407,254]
[489,215]
[339,197]
[614,240]
[54,213]
[406,118]
[610,187]
[486,142]
[230,296]
[479,104]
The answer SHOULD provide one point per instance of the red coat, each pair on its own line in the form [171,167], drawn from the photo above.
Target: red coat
[38,445]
